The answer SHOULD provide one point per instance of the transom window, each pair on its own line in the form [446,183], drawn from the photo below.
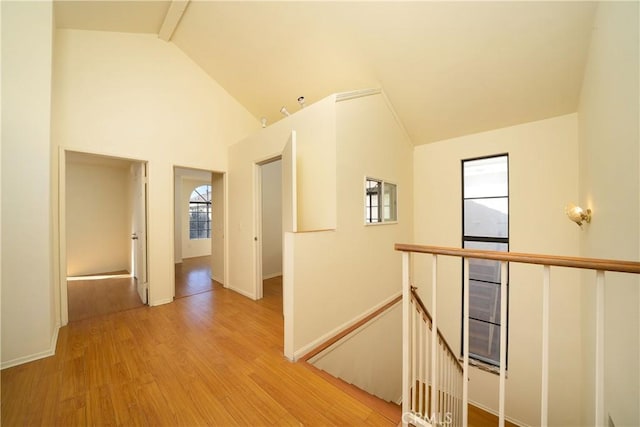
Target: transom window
[381,201]
[485,225]
[200,213]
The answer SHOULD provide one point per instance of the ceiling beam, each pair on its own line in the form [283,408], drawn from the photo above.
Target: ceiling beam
[172,19]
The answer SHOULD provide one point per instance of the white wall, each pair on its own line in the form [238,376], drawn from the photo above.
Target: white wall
[272,219]
[610,185]
[370,358]
[315,126]
[29,326]
[543,178]
[340,275]
[135,96]
[191,247]
[98,226]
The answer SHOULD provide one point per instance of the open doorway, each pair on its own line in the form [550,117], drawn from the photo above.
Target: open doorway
[269,227]
[104,235]
[198,230]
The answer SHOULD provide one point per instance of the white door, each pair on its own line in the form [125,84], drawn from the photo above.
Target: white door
[289,187]
[289,225]
[139,228]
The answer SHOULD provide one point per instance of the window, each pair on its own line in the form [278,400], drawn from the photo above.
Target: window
[485,225]
[381,202]
[200,213]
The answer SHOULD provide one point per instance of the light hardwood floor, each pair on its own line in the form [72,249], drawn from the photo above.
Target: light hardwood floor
[193,276]
[214,358]
[97,297]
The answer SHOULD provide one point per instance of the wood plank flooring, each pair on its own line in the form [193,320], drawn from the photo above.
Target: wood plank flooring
[214,358]
[193,276]
[96,297]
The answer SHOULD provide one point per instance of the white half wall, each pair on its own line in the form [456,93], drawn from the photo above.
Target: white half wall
[98,229]
[610,186]
[543,178]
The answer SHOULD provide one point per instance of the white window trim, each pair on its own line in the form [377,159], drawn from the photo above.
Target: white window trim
[364,200]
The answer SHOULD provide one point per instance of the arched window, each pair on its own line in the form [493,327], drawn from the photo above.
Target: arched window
[200,213]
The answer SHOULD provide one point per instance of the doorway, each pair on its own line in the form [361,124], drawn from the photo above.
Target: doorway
[199,250]
[103,235]
[269,227]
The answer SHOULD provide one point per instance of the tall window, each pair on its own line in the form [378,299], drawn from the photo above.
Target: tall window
[381,201]
[485,213]
[200,213]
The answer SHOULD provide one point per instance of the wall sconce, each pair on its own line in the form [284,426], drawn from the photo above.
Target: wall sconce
[577,214]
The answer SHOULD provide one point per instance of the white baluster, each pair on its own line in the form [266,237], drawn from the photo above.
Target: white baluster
[544,404]
[415,327]
[406,355]
[465,346]
[599,380]
[503,339]
[434,332]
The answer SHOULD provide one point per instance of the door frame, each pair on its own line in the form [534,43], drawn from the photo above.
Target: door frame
[225,215]
[63,303]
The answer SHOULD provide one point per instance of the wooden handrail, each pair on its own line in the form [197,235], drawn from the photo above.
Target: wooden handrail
[424,311]
[337,337]
[553,260]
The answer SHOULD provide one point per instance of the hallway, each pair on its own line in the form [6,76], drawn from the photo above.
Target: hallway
[214,358]
[193,276]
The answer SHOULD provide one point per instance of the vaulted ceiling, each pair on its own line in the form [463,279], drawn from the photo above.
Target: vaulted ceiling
[448,68]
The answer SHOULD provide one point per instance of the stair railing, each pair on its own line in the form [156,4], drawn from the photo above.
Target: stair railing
[423,374]
[435,394]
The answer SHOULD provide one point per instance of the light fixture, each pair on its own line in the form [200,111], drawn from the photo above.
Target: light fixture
[263,122]
[284,111]
[577,214]
[301,101]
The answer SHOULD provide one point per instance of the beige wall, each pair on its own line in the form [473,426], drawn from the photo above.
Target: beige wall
[98,219]
[610,186]
[543,178]
[272,219]
[29,324]
[135,96]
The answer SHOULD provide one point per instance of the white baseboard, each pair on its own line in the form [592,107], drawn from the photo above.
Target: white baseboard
[271,276]
[40,355]
[313,344]
[243,292]
[161,302]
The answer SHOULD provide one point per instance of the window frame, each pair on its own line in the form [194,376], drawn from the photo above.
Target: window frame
[380,206]
[478,360]
[208,211]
